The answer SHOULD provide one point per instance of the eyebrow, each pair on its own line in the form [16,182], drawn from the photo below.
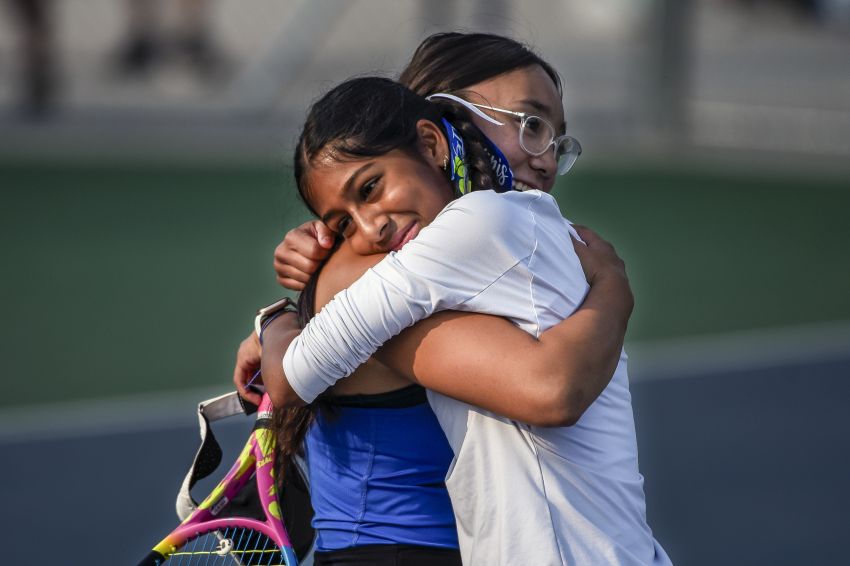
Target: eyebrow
[536,104]
[540,107]
[346,188]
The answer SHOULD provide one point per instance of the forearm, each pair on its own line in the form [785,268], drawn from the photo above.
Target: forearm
[487,361]
[349,329]
[277,337]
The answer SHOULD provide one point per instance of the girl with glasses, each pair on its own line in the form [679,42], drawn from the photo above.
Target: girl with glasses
[512,86]
[383,168]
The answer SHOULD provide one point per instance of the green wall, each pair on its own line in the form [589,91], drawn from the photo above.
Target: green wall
[125,278]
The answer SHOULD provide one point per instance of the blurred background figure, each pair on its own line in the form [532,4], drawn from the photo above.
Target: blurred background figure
[151,39]
[37,82]
[829,13]
[835,13]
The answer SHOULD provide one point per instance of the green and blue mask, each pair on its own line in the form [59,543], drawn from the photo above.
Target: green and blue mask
[459,171]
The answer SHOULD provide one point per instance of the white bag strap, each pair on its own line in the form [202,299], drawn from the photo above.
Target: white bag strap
[208,457]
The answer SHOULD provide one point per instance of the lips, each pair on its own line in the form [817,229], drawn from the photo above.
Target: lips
[403,236]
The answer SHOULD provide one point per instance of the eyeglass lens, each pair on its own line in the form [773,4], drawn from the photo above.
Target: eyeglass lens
[536,135]
[566,153]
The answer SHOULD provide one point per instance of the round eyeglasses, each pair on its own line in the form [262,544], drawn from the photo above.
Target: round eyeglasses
[536,135]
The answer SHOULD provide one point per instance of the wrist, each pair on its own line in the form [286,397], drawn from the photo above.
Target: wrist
[268,314]
[279,325]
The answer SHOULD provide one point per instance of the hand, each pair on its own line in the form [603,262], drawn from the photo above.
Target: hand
[247,364]
[598,257]
[301,252]
[605,271]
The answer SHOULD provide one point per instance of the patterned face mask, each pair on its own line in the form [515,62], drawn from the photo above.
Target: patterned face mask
[504,174]
[459,168]
[536,135]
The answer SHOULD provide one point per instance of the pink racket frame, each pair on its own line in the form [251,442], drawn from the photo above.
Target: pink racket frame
[258,454]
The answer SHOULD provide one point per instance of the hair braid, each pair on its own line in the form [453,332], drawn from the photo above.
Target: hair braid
[481,172]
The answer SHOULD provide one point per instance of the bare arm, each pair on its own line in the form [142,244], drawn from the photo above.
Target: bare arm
[276,339]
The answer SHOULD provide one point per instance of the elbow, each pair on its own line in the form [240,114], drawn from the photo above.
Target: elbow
[280,393]
[556,416]
[559,406]
[283,396]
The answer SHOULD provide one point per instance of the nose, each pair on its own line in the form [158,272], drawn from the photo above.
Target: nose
[543,164]
[372,229]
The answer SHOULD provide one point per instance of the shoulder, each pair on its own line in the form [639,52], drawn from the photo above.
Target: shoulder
[485,214]
[342,269]
[483,231]
[495,206]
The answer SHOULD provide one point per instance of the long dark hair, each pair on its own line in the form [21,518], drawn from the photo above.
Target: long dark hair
[452,62]
[370,116]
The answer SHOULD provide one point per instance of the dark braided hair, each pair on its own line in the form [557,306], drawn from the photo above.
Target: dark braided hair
[477,156]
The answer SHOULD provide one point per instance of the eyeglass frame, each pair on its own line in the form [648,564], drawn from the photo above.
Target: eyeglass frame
[523,116]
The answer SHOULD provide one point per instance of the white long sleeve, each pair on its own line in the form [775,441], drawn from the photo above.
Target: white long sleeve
[473,242]
[576,490]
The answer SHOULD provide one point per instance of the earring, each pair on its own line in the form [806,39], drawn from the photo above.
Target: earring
[446,163]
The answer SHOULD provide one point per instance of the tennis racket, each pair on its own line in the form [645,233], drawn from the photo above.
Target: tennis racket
[209,536]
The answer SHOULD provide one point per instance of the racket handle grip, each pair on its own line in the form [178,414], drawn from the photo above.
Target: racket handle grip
[247,406]
[153,558]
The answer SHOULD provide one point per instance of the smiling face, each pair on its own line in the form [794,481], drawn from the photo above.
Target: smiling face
[380,203]
[528,90]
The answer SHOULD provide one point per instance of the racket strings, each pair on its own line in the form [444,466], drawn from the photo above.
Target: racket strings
[234,546]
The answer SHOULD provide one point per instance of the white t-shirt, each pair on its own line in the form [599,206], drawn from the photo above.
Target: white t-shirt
[521,494]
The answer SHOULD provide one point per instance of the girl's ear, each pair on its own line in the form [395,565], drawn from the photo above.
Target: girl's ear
[432,143]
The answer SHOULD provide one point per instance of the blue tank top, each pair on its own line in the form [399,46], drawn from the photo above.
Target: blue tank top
[377,469]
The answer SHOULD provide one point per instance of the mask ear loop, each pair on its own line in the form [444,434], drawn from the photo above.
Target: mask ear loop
[466,104]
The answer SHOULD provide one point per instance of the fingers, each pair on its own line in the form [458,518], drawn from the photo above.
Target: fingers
[585,258]
[592,239]
[597,256]
[290,283]
[587,235]
[301,253]
[247,365]
[323,234]
[296,267]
